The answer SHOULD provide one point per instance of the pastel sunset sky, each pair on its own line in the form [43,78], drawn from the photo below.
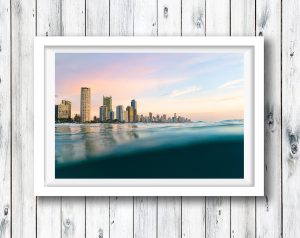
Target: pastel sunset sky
[200,86]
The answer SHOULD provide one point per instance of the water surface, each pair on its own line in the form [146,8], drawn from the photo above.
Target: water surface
[153,150]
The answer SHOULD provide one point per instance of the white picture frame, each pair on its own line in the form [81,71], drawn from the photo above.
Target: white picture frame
[45,183]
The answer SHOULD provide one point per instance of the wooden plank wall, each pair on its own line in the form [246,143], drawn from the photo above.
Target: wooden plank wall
[274,215]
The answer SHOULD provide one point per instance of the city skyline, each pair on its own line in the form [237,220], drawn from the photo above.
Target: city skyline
[197,85]
[107,114]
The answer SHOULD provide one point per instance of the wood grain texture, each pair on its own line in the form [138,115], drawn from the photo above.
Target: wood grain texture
[121,217]
[73,208]
[121,17]
[268,208]
[291,117]
[48,223]
[242,208]
[242,18]
[73,17]
[72,217]
[169,17]
[218,208]
[97,18]
[48,23]
[217,18]
[97,217]
[169,217]
[23,201]
[145,217]
[48,20]
[193,217]
[193,18]
[217,217]
[21,216]
[5,120]
[145,17]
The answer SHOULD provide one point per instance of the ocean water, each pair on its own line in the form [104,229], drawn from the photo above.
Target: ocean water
[153,150]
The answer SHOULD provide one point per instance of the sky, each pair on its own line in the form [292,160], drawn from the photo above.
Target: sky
[199,86]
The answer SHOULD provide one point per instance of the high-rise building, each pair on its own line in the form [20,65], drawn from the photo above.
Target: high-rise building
[85,104]
[56,112]
[130,112]
[150,117]
[134,106]
[126,116]
[119,113]
[103,114]
[63,110]
[107,101]
[111,115]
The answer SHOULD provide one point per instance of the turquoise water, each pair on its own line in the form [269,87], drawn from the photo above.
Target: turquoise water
[154,150]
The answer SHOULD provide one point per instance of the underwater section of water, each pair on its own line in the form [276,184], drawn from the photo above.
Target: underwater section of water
[154,150]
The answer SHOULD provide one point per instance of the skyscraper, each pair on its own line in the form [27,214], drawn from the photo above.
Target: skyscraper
[130,111]
[63,110]
[134,106]
[119,113]
[107,101]
[111,115]
[85,104]
[103,114]
[150,116]
[126,116]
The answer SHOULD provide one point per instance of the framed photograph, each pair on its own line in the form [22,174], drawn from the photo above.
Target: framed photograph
[149,116]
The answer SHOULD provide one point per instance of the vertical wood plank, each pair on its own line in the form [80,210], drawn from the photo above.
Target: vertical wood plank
[121,17]
[97,208]
[73,17]
[169,208]
[145,217]
[169,17]
[193,217]
[290,117]
[121,217]
[193,17]
[97,217]
[169,217]
[73,208]
[73,217]
[268,208]
[48,21]
[193,208]
[121,208]
[97,18]
[218,208]
[48,217]
[242,217]
[217,217]
[48,208]
[242,18]
[5,120]
[145,17]
[218,17]
[145,208]
[242,208]
[23,200]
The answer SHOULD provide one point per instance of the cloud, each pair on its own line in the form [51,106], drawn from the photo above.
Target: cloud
[232,84]
[176,93]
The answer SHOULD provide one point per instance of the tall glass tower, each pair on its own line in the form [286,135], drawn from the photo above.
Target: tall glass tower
[85,104]
[134,106]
